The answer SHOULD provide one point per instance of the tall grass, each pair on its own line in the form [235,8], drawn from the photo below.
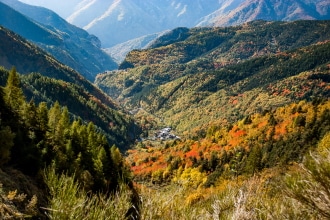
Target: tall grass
[68,201]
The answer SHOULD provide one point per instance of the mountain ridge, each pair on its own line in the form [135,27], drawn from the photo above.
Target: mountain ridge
[69,44]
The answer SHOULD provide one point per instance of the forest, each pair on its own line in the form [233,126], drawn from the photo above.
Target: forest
[47,144]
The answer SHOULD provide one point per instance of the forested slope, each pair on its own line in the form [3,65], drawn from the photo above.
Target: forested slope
[52,81]
[48,152]
[222,74]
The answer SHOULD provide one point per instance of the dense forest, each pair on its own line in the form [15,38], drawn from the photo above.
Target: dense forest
[34,137]
[258,141]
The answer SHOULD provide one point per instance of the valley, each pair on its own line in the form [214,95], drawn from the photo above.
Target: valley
[203,121]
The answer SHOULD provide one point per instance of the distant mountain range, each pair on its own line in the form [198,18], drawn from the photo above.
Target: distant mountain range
[117,21]
[69,44]
[234,12]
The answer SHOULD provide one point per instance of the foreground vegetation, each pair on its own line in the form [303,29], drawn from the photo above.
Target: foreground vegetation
[299,191]
[34,137]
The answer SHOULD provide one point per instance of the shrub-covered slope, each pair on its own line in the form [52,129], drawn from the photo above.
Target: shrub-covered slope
[197,76]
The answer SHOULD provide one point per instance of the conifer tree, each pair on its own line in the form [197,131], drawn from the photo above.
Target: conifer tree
[42,126]
[29,115]
[54,116]
[61,129]
[14,94]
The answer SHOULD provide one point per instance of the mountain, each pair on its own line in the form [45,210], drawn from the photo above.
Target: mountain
[118,21]
[64,9]
[221,74]
[245,11]
[46,79]
[68,43]
[125,20]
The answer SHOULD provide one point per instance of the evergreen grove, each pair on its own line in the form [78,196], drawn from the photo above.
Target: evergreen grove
[34,137]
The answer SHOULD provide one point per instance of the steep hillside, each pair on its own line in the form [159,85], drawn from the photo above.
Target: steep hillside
[222,74]
[268,163]
[59,82]
[47,155]
[67,43]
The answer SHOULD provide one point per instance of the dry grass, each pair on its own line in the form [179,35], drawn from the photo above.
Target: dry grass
[18,196]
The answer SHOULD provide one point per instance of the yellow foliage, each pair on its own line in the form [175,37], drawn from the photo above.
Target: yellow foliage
[157,176]
[11,195]
[324,145]
[190,178]
[194,198]
[166,174]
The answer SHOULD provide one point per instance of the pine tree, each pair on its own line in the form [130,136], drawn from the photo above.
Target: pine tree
[42,124]
[14,94]
[54,116]
[253,162]
[6,136]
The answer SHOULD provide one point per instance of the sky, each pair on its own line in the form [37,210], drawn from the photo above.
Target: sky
[62,7]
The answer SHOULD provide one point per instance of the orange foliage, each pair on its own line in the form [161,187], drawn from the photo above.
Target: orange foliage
[240,134]
[285,92]
[262,124]
[234,102]
[192,153]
